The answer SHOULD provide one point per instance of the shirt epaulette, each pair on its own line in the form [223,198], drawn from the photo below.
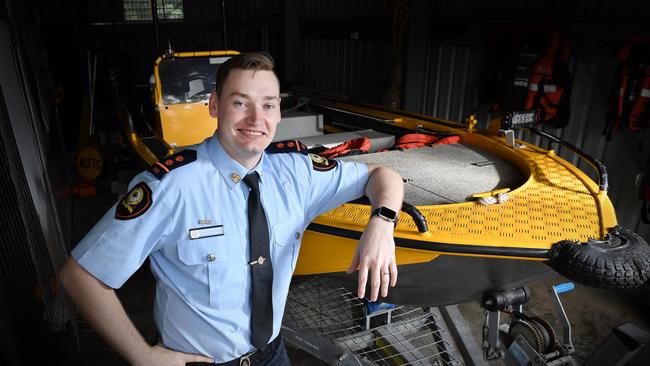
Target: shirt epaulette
[288,146]
[164,166]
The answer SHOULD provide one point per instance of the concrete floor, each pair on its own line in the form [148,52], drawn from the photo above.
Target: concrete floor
[593,312]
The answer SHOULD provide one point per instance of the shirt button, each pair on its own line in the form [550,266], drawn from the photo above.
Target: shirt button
[211,257]
[297,236]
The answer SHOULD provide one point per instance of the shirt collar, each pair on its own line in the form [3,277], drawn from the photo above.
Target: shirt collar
[231,171]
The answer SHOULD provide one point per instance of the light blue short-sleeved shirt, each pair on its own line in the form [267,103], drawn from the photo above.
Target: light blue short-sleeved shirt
[195,233]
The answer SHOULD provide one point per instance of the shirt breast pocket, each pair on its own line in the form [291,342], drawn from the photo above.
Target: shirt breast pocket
[215,272]
[286,245]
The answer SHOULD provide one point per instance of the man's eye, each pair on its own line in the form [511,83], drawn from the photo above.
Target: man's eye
[270,106]
[239,104]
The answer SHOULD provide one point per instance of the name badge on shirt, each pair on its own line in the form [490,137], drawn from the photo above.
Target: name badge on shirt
[206,232]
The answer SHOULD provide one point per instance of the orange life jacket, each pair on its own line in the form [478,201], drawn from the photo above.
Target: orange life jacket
[549,82]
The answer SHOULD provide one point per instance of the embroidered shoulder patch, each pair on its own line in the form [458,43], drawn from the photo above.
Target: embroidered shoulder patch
[321,164]
[287,147]
[135,203]
[164,166]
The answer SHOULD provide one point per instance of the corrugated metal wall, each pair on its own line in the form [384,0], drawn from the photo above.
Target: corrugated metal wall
[443,78]
[344,47]
[345,67]
[130,46]
[341,8]
[451,78]
[339,47]
[557,9]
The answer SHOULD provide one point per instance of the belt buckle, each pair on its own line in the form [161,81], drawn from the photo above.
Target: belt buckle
[245,360]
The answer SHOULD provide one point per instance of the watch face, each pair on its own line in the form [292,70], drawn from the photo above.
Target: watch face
[387,213]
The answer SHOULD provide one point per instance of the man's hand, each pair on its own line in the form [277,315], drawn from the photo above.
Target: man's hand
[158,355]
[375,254]
[102,309]
[375,257]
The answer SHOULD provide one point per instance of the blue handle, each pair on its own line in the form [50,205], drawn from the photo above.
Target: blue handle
[374,306]
[564,287]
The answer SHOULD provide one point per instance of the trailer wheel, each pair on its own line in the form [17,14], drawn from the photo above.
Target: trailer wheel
[619,262]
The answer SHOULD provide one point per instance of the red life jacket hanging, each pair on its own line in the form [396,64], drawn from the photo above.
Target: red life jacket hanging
[532,74]
[549,83]
[629,105]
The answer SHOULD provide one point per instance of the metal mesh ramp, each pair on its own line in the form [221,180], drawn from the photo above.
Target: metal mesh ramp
[330,323]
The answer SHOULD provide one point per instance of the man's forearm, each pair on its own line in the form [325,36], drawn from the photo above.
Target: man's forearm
[102,309]
[385,188]
[375,254]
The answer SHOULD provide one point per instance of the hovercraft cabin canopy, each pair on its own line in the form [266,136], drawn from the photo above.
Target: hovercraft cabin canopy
[181,92]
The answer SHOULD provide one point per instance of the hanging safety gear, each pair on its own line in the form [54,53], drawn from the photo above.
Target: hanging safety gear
[629,105]
[531,72]
[549,83]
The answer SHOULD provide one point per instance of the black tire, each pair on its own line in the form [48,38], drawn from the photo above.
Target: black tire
[621,261]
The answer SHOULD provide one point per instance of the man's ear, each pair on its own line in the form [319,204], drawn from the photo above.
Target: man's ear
[212,105]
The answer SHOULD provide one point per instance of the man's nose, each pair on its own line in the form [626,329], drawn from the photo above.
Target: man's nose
[254,114]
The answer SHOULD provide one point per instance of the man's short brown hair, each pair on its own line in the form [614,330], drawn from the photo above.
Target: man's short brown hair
[245,61]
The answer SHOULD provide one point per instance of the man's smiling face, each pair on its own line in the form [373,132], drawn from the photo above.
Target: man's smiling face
[249,112]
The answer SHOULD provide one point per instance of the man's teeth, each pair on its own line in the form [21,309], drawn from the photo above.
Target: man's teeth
[253,133]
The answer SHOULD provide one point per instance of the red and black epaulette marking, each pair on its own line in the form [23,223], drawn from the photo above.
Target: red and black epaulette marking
[288,146]
[164,166]
[135,203]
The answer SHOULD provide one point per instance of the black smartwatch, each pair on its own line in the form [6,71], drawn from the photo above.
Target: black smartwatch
[385,213]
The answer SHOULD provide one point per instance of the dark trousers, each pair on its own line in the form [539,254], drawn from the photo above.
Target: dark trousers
[279,357]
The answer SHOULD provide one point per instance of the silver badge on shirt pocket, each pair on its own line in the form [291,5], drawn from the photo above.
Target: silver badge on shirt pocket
[206,232]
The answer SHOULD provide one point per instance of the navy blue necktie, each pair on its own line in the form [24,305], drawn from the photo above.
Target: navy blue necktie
[261,267]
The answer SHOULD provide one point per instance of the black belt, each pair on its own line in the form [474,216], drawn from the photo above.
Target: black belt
[249,359]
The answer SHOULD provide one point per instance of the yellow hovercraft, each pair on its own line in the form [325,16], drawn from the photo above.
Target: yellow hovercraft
[489,212]
[460,234]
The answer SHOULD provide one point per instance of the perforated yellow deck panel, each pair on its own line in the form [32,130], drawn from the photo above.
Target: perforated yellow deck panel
[557,202]
[553,205]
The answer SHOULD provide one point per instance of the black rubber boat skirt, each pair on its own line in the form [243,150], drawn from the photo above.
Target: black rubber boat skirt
[438,247]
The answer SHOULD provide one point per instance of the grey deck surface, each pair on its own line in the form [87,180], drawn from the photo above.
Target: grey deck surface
[446,173]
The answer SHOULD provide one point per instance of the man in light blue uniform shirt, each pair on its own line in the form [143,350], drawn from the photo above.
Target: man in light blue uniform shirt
[188,214]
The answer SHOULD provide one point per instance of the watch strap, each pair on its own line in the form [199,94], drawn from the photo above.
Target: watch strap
[385,213]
